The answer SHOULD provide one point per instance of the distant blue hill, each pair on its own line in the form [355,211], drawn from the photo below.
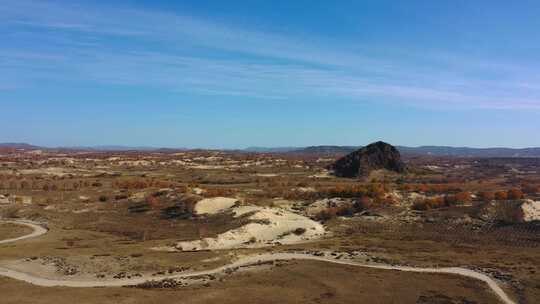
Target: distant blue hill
[422,150]
[323,149]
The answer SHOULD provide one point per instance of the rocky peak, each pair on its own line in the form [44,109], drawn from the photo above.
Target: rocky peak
[376,156]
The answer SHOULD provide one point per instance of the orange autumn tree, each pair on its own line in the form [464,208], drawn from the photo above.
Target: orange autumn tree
[423,188]
[501,195]
[464,197]
[153,202]
[515,194]
[487,196]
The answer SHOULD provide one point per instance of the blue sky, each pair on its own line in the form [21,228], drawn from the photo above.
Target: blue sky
[228,74]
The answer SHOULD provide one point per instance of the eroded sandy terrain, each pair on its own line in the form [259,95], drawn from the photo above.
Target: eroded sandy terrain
[212,221]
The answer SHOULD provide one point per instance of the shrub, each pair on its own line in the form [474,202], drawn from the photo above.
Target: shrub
[326,214]
[531,189]
[363,203]
[515,194]
[10,212]
[299,231]
[153,201]
[119,197]
[430,203]
[103,198]
[214,192]
[501,195]
[464,197]
[487,196]
[436,202]
[420,206]
[450,200]
[345,210]
[422,188]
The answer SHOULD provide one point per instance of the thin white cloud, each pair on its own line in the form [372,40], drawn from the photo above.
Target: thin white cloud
[77,43]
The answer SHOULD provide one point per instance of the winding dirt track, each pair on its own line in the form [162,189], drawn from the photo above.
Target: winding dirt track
[38,230]
[244,261]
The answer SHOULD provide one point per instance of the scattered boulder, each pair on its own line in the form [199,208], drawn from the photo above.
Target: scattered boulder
[362,162]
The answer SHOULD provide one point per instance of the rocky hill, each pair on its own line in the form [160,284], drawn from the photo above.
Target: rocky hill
[375,156]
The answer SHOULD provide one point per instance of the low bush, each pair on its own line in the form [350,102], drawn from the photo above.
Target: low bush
[299,231]
[119,197]
[10,211]
[347,209]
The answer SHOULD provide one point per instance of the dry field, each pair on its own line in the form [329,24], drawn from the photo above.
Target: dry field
[9,231]
[106,213]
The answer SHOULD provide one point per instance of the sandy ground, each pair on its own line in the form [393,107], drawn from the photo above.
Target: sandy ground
[531,211]
[214,205]
[266,174]
[268,226]
[8,231]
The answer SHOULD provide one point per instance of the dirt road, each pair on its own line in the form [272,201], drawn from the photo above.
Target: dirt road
[243,261]
[38,230]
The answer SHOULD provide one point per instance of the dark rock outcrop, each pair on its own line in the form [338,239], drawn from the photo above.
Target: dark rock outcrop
[375,156]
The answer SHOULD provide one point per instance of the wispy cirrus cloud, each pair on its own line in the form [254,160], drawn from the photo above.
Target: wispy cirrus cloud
[88,43]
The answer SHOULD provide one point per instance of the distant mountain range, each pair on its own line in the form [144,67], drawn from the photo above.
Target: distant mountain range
[423,150]
[114,148]
[409,151]
[272,150]
[471,152]
[18,146]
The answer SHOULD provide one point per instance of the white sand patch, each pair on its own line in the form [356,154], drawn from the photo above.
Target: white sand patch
[138,196]
[269,226]
[85,210]
[209,260]
[531,211]
[207,167]
[4,200]
[266,174]
[305,189]
[323,174]
[214,205]
[135,163]
[55,171]
[198,190]
[285,204]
